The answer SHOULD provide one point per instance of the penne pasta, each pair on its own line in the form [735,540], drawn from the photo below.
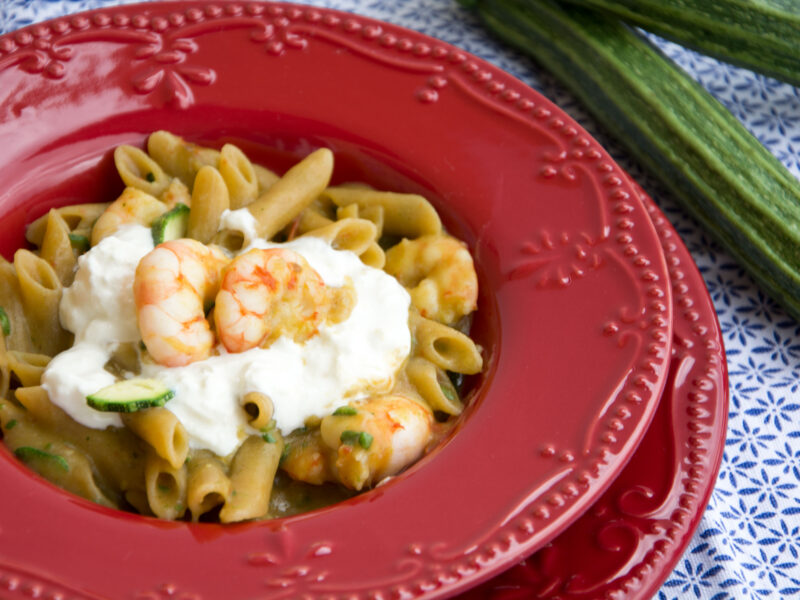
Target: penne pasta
[5,370]
[208,485]
[40,291]
[19,337]
[259,409]
[179,158]
[79,218]
[446,347]
[166,487]
[355,235]
[239,175]
[56,248]
[287,198]
[138,170]
[433,386]
[209,200]
[26,368]
[117,454]
[162,431]
[252,472]
[404,215]
[265,178]
[202,299]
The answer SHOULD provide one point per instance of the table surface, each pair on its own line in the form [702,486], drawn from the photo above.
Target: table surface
[748,543]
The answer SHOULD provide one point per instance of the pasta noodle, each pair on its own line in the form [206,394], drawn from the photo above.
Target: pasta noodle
[162,431]
[138,170]
[19,336]
[166,487]
[405,215]
[239,175]
[40,291]
[79,218]
[252,472]
[147,460]
[208,485]
[288,196]
[56,248]
[210,198]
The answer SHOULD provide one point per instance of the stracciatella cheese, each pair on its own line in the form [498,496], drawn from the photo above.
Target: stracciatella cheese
[343,362]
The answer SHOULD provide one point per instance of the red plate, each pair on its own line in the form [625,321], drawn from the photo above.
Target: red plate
[629,541]
[574,315]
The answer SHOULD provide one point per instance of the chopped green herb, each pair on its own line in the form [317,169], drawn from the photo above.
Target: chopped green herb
[27,453]
[178,507]
[5,322]
[362,438]
[150,177]
[142,347]
[345,411]
[79,242]
[269,438]
[269,426]
[285,453]
[365,440]
[11,424]
[164,489]
[449,392]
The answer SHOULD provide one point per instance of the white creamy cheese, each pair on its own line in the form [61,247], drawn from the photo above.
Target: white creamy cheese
[240,220]
[345,361]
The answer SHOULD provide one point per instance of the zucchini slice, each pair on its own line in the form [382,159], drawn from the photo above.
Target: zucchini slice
[130,395]
[171,225]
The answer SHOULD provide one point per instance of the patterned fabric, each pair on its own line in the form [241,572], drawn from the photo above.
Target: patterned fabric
[748,543]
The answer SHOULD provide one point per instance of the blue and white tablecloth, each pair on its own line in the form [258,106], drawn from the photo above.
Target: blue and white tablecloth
[748,543]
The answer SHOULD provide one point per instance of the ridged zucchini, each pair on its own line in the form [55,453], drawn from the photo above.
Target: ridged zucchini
[731,184]
[761,35]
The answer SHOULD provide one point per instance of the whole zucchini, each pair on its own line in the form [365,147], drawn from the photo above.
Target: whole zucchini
[731,184]
[761,35]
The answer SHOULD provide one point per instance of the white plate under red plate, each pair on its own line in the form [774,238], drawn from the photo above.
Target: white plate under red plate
[574,313]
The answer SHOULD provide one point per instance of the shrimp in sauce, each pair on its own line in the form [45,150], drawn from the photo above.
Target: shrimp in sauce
[172,287]
[361,444]
[439,274]
[266,294]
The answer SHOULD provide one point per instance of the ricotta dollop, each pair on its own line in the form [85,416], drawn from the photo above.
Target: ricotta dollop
[343,362]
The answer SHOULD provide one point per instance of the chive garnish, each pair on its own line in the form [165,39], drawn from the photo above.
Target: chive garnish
[27,453]
[269,438]
[365,440]
[284,453]
[448,392]
[150,177]
[5,322]
[362,438]
[345,411]
[79,242]
[11,424]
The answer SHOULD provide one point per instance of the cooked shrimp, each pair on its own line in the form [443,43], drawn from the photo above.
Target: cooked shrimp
[133,206]
[172,286]
[266,294]
[439,274]
[362,444]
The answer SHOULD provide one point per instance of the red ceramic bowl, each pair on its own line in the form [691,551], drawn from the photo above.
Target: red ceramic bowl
[574,313]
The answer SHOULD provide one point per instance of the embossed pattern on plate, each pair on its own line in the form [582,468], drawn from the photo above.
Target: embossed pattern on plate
[575,309]
[625,545]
